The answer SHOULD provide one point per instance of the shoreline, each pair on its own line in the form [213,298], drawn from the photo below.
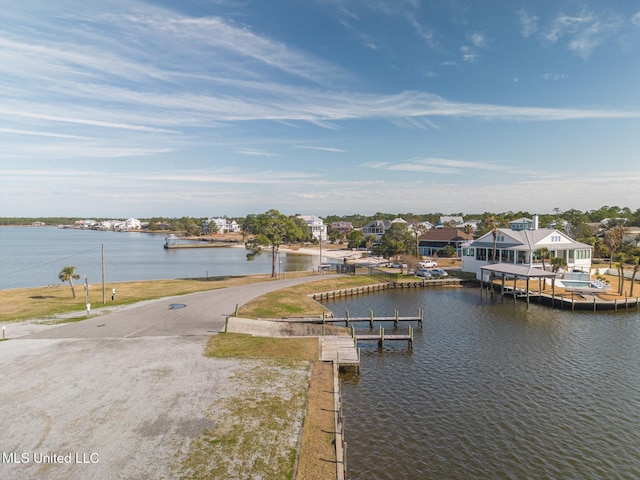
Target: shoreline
[344,254]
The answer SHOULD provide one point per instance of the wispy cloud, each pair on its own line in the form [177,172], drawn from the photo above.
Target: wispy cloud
[158,81]
[15,131]
[554,76]
[444,166]
[528,23]
[323,149]
[254,153]
[582,33]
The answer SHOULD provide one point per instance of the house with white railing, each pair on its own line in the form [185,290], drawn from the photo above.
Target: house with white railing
[317,227]
[222,225]
[521,247]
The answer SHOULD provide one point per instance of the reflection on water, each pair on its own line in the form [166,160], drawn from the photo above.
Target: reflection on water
[494,390]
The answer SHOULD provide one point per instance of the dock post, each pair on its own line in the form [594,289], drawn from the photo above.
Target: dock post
[615,304]
[344,459]
[346,318]
[594,304]
[395,322]
[626,303]
[370,318]
[410,337]
[573,303]
[353,332]
[421,315]
[381,341]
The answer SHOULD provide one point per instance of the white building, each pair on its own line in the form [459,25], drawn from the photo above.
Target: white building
[222,225]
[317,227]
[519,247]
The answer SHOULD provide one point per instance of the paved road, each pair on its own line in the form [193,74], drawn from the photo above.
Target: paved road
[126,391]
[195,314]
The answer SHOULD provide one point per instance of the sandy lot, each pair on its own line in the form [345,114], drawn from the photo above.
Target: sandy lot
[76,405]
[129,394]
[112,408]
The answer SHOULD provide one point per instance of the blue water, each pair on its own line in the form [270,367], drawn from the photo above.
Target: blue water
[494,390]
[33,256]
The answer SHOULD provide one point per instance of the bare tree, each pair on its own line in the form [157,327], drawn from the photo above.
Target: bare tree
[613,240]
[418,229]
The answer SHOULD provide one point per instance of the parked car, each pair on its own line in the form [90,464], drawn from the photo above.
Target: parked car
[398,265]
[438,272]
[424,273]
[428,263]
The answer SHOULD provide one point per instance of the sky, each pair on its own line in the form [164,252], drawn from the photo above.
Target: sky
[127,108]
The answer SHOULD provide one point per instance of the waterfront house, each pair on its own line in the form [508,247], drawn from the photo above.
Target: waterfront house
[519,247]
[222,225]
[317,227]
[376,228]
[341,227]
[434,241]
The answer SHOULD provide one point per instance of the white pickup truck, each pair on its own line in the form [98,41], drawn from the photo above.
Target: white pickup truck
[428,264]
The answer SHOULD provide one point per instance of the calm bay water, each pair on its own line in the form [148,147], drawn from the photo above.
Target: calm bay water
[493,390]
[33,256]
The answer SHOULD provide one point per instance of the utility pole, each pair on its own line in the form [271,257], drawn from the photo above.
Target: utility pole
[103,294]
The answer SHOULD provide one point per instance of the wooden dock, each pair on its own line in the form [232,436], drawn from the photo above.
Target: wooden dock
[380,337]
[348,319]
[340,349]
[396,319]
[343,349]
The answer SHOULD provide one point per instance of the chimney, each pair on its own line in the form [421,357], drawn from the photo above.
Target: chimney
[535,222]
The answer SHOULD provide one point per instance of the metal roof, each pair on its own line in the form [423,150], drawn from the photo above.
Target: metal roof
[518,270]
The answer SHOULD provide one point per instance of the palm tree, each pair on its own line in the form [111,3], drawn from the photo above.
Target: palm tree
[635,260]
[543,254]
[558,263]
[68,274]
[492,225]
[620,267]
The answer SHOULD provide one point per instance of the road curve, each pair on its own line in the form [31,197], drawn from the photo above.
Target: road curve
[195,314]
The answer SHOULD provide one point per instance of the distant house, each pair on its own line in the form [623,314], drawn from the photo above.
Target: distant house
[377,228]
[434,241]
[524,224]
[454,221]
[131,224]
[473,224]
[342,227]
[519,247]
[222,225]
[632,236]
[317,227]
